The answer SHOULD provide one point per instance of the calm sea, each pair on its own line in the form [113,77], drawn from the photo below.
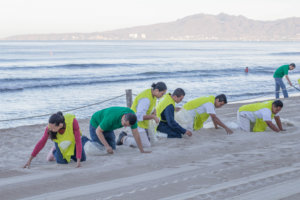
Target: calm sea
[37,78]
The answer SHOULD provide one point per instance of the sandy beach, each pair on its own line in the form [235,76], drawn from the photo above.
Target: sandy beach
[208,165]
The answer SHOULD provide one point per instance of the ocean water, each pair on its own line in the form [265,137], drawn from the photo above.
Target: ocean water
[38,78]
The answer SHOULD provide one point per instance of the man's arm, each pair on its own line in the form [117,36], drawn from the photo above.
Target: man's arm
[272,126]
[217,121]
[288,79]
[138,141]
[215,124]
[101,137]
[278,122]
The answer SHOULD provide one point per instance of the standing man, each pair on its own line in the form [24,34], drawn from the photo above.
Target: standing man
[165,111]
[104,122]
[257,116]
[201,108]
[279,73]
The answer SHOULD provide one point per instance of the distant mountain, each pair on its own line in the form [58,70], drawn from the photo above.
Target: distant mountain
[196,27]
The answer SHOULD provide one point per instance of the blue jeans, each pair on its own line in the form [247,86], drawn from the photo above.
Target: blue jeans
[108,135]
[280,84]
[165,128]
[59,157]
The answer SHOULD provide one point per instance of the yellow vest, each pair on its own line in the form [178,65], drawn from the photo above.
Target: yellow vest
[67,136]
[195,103]
[163,103]
[260,124]
[299,81]
[145,94]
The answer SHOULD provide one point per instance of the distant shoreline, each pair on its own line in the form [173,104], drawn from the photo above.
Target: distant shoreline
[222,27]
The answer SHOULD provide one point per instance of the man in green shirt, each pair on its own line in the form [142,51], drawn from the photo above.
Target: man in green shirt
[279,73]
[104,122]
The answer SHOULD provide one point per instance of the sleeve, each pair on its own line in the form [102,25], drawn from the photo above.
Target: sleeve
[266,114]
[40,145]
[169,114]
[77,136]
[142,107]
[104,124]
[209,108]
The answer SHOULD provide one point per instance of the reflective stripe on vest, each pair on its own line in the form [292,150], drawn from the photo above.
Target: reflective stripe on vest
[195,103]
[145,94]
[260,124]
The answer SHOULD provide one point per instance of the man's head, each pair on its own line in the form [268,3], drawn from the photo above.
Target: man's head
[220,100]
[128,119]
[292,66]
[277,106]
[178,95]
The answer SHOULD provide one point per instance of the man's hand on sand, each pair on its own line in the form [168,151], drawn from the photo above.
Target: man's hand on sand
[146,151]
[109,150]
[229,131]
[189,133]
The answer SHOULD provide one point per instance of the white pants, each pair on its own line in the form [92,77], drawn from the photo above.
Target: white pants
[94,148]
[244,123]
[130,141]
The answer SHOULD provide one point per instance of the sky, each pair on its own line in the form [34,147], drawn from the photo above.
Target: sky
[19,17]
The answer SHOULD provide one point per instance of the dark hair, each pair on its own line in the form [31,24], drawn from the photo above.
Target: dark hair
[161,86]
[277,103]
[131,117]
[293,65]
[222,98]
[56,119]
[178,92]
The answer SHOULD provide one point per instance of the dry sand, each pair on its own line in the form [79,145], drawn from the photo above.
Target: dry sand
[209,165]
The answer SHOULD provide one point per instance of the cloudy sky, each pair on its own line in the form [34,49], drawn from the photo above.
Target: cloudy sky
[62,16]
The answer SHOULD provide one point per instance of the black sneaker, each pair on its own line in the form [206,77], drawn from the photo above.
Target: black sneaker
[119,141]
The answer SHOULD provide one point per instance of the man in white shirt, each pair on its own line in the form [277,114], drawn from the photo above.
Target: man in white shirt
[200,109]
[256,117]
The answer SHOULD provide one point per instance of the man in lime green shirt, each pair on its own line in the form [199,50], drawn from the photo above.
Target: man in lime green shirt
[279,73]
[104,122]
